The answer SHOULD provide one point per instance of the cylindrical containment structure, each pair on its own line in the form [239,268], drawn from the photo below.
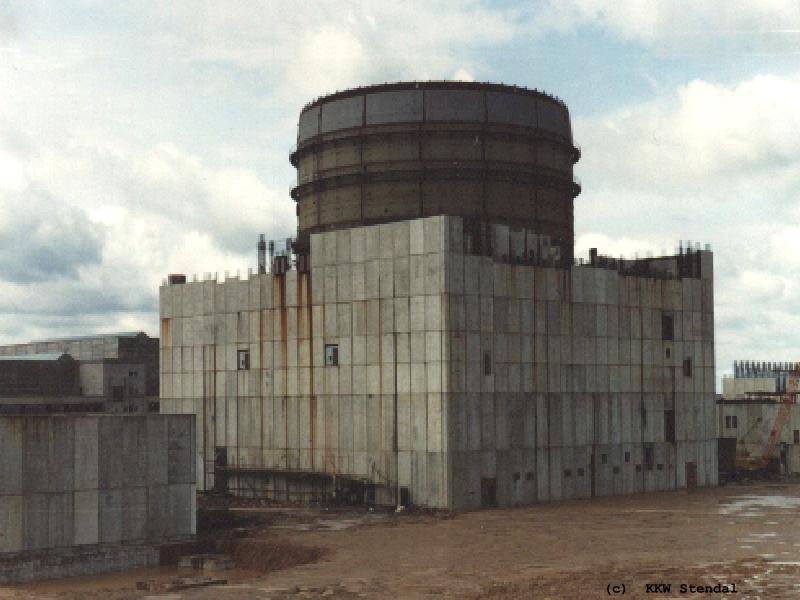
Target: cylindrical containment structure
[490,153]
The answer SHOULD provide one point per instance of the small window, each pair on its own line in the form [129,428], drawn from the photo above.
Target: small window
[117,393]
[529,476]
[667,352]
[638,468]
[580,472]
[797,436]
[487,363]
[615,470]
[667,329]
[567,472]
[516,476]
[660,467]
[627,457]
[243,359]
[604,458]
[687,367]
[735,421]
[331,355]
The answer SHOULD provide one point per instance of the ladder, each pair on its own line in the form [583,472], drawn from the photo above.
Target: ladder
[774,435]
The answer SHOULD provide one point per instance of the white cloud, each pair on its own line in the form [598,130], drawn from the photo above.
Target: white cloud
[684,25]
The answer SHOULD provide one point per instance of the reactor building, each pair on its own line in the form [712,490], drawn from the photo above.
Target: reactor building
[429,338]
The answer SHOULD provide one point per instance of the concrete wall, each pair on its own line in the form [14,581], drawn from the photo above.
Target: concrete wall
[68,481]
[738,387]
[577,369]
[377,292]
[579,378]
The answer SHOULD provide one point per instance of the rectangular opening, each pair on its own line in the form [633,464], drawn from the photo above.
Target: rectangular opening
[735,421]
[649,455]
[516,476]
[243,359]
[529,476]
[567,472]
[604,458]
[627,457]
[797,436]
[615,470]
[687,367]
[580,471]
[669,426]
[117,393]
[331,355]
[487,363]
[667,328]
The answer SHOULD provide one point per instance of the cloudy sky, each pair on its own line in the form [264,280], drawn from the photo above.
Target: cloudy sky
[142,138]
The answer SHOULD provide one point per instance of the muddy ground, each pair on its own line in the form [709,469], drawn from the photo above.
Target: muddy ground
[744,534]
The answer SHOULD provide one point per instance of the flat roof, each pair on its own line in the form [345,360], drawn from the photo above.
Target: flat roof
[42,356]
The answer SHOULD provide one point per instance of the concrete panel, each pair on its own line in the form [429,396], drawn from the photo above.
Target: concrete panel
[342,114]
[454,105]
[394,107]
[11,451]
[511,109]
[86,524]
[11,524]
[308,125]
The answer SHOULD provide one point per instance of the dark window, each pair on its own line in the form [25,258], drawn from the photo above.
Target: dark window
[331,355]
[627,457]
[667,329]
[567,472]
[117,393]
[487,363]
[731,421]
[638,468]
[648,457]
[687,367]
[668,353]
[735,421]
[515,476]
[797,436]
[660,467]
[580,472]
[604,458]
[669,426]
[529,476]
[615,470]
[243,360]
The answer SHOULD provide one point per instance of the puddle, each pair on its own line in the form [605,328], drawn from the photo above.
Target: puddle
[748,503]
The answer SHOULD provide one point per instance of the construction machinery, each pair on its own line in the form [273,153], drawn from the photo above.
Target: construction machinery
[760,462]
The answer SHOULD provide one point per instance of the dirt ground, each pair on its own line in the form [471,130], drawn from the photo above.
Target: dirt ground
[744,534]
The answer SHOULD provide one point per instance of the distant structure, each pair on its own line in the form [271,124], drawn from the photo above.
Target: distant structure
[429,337]
[103,373]
[759,403]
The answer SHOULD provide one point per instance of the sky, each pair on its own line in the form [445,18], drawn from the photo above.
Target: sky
[140,138]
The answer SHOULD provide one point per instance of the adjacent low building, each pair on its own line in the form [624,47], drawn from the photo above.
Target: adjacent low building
[756,401]
[104,373]
[92,493]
